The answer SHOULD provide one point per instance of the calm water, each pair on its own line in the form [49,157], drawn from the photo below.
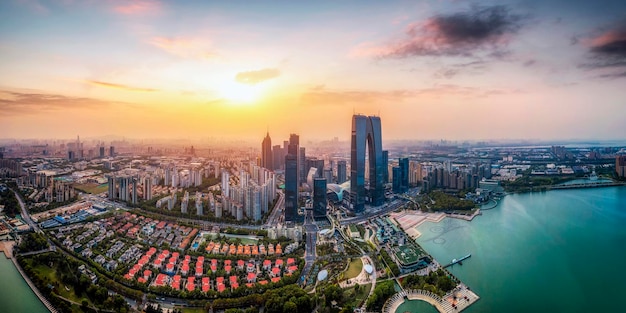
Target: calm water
[416,306]
[556,251]
[16,296]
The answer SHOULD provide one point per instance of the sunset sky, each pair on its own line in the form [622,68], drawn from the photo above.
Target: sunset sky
[553,69]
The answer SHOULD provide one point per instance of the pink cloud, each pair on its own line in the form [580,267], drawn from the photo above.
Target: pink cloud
[184,47]
[137,7]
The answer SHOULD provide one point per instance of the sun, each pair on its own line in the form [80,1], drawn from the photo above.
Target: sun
[238,93]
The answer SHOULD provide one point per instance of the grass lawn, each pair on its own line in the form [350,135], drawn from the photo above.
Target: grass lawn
[92,188]
[354,269]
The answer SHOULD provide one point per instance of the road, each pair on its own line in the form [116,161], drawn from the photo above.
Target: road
[366,216]
[25,216]
[310,247]
[275,216]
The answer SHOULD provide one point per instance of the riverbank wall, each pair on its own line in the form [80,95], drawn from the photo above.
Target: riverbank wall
[32,286]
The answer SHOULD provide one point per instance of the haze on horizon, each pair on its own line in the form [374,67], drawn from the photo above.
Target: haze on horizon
[535,69]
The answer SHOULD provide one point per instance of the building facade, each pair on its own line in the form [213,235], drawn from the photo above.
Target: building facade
[366,133]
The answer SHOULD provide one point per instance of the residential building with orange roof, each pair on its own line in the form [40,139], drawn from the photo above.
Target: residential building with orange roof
[263,282]
[275,279]
[267,264]
[275,272]
[240,264]
[206,284]
[176,282]
[190,284]
[251,277]
[160,280]
[209,247]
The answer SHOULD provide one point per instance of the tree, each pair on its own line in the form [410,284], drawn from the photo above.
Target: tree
[290,307]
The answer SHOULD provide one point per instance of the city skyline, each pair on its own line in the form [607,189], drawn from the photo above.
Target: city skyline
[433,69]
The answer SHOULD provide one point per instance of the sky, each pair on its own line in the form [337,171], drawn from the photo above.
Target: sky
[455,70]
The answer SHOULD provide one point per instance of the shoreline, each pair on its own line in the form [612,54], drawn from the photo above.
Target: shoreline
[32,286]
[7,248]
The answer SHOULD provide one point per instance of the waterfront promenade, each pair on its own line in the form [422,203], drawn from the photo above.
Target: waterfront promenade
[456,300]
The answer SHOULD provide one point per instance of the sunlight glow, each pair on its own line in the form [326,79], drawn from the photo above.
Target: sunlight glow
[238,93]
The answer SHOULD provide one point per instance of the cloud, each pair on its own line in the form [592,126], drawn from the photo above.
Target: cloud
[255,77]
[323,96]
[458,34]
[184,47]
[137,7]
[18,103]
[607,51]
[118,86]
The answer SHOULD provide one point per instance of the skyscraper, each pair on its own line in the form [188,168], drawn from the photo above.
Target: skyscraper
[291,188]
[396,179]
[294,143]
[319,198]
[341,172]
[385,167]
[404,174]
[366,131]
[278,156]
[266,153]
[302,168]
[111,151]
[102,152]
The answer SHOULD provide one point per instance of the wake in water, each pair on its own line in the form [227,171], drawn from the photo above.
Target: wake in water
[447,225]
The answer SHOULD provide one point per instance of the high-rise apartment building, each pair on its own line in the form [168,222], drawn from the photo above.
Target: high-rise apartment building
[366,133]
[147,188]
[225,183]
